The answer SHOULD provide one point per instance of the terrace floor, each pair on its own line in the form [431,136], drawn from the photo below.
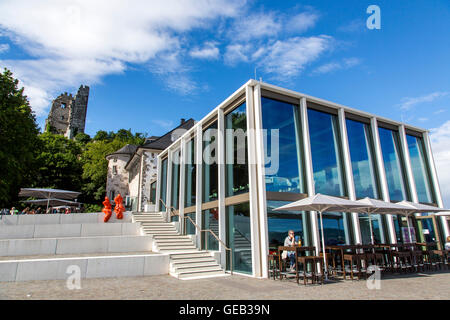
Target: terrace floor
[433,285]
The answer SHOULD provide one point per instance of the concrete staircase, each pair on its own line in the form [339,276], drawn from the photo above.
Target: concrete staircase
[47,247]
[185,260]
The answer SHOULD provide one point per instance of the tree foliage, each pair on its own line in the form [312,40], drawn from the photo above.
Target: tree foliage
[18,139]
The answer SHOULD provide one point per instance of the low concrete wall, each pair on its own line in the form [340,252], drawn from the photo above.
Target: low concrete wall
[26,231]
[70,218]
[108,244]
[90,267]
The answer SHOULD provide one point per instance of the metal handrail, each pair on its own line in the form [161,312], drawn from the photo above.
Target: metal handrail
[206,240]
[171,208]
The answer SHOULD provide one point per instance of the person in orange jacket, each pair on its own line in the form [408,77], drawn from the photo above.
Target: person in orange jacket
[119,208]
[106,209]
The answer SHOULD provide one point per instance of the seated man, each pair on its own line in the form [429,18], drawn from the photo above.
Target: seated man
[290,242]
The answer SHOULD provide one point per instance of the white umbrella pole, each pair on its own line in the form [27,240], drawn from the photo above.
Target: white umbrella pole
[323,247]
[371,230]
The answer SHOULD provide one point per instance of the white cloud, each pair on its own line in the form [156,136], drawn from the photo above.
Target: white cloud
[255,26]
[440,140]
[86,40]
[301,22]
[439,111]
[408,103]
[235,53]
[333,66]
[4,47]
[287,58]
[209,51]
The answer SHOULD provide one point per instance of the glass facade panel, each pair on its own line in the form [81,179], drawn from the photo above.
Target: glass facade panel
[280,222]
[334,227]
[419,168]
[393,165]
[210,168]
[376,221]
[191,173]
[163,191]
[210,221]
[326,154]
[361,154]
[239,236]
[175,179]
[190,228]
[236,168]
[281,121]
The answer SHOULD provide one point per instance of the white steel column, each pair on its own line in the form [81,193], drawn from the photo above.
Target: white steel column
[349,173]
[435,181]
[221,185]
[260,179]
[382,176]
[198,182]
[158,183]
[182,184]
[168,184]
[309,172]
[253,186]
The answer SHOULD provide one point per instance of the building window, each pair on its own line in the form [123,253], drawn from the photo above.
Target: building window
[284,165]
[326,153]
[239,236]
[210,168]
[236,169]
[115,159]
[190,228]
[393,165]
[191,174]
[420,169]
[63,105]
[210,222]
[114,170]
[153,192]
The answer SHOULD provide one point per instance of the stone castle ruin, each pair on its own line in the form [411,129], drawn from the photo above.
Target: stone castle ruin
[68,114]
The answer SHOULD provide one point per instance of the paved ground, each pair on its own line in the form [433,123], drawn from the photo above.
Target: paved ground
[417,286]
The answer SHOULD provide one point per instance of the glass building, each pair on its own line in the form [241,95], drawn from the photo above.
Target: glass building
[266,146]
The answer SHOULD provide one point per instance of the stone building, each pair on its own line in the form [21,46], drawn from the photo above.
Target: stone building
[132,169]
[68,114]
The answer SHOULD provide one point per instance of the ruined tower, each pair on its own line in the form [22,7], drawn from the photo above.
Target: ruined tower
[68,114]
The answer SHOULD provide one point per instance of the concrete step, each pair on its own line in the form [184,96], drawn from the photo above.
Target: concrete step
[166,237]
[202,275]
[177,250]
[189,255]
[173,241]
[153,228]
[161,232]
[89,267]
[199,272]
[194,265]
[193,260]
[75,245]
[177,247]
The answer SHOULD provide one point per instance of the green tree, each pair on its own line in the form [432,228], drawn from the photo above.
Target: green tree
[18,139]
[82,138]
[95,165]
[59,163]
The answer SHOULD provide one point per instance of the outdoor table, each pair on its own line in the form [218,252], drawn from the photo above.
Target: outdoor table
[314,260]
[297,250]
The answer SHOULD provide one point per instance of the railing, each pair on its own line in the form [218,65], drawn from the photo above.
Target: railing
[171,209]
[206,239]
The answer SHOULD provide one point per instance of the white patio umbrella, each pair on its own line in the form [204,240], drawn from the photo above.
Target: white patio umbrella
[411,208]
[48,193]
[377,206]
[321,203]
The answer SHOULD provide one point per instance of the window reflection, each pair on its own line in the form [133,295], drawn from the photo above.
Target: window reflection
[210,221]
[393,166]
[419,168]
[175,179]
[163,191]
[325,151]
[284,117]
[210,168]
[360,145]
[189,196]
[236,169]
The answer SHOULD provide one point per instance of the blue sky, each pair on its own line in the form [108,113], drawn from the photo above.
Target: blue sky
[150,65]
